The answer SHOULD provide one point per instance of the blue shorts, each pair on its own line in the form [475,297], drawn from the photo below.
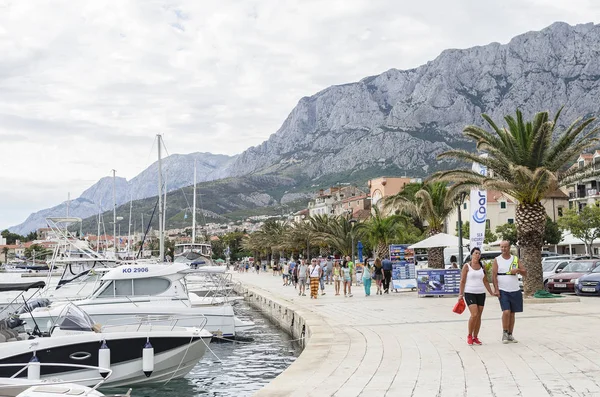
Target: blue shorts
[512,301]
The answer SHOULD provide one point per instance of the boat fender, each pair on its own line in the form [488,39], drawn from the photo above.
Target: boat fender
[104,359]
[33,368]
[148,358]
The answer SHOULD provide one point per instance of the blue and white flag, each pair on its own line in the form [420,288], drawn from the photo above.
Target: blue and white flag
[478,211]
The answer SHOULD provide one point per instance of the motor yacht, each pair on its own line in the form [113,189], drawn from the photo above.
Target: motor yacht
[135,353]
[149,292]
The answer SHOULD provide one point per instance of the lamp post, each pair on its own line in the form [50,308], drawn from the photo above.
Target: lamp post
[352,223]
[460,242]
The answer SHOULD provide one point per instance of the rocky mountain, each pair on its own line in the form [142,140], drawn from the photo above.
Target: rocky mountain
[221,201]
[178,170]
[394,123]
[398,121]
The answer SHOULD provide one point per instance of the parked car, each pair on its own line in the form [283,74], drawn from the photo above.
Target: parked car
[554,258]
[567,279]
[585,257]
[589,284]
[549,254]
[551,267]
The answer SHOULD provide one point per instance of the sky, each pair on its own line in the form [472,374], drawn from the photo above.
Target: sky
[86,85]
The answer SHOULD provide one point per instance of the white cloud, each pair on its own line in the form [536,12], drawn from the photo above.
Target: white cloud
[86,85]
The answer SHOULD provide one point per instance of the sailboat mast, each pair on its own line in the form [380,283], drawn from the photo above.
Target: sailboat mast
[114,213]
[194,208]
[161,240]
[129,231]
[98,235]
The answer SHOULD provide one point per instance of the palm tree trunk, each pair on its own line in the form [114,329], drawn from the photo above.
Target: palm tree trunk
[531,222]
[382,250]
[435,258]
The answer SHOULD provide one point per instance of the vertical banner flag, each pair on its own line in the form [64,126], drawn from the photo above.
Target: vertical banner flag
[478,211]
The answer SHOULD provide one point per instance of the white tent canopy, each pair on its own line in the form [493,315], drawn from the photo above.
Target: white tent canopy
[439,240]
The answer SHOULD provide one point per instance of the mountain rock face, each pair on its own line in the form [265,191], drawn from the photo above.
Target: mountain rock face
[402,119]
[394,123]
[178,170]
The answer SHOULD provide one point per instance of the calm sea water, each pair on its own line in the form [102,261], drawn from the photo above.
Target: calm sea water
[245,366]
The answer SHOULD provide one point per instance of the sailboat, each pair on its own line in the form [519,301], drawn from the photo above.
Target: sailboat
[194,254]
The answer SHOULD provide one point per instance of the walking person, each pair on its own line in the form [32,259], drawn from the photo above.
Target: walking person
[337,276]
[302,272]
[323,275]
[505,269]
[286,274]
[366,278]
[473,284]
[378,275]
[329,272]
[314,273]
[347,278]
[387,275]
[351,266]
[359,273]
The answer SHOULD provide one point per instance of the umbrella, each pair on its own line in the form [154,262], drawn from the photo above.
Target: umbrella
[220,260]
[439,240]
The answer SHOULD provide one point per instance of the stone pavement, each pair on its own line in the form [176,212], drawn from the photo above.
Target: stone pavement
[402,345]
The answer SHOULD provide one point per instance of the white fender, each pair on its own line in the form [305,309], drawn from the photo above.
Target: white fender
[104,359]
[33,369]
[148,359]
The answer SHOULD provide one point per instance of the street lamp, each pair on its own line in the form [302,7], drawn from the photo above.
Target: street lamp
[352,223]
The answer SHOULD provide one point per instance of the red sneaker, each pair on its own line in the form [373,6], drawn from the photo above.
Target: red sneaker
[477,341]
[470,340]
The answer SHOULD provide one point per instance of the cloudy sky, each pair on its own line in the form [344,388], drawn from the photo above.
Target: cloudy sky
[86,85]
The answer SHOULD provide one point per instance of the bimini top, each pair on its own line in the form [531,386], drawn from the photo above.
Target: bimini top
[125,272]
[21,286]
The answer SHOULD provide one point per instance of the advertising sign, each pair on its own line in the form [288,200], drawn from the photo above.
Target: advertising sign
[438,281]
[478,211]
[400,252]
[403,275]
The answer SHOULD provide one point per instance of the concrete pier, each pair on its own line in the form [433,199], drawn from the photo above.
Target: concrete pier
[402,345]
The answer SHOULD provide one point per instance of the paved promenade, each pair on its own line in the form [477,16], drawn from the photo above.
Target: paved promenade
[402,345]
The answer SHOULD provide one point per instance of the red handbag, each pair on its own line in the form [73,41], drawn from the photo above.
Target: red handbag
[459,307]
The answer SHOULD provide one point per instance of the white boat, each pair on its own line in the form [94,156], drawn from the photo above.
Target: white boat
[20,387]
[155,293]
[137,353]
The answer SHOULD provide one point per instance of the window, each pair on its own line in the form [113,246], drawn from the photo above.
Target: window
[581,164]
[487,224]
[510,221]
[108,292]
[503,205]
[123,288]
[560,211]
[150,286]
[464,206]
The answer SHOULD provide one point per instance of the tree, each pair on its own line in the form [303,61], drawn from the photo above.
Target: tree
[11,238]
[508,232]
[552,233]
[526,161]
[433,203]
[584,225]
[39,250]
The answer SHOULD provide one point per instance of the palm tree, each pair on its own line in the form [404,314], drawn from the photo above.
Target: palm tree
[432,204]
[381,231]
[5,252]
[339,235]
[527,162]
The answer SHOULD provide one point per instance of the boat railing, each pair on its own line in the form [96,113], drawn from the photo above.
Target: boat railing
[25,366]
[151,320]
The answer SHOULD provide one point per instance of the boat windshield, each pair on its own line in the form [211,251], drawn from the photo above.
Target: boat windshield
[73,318]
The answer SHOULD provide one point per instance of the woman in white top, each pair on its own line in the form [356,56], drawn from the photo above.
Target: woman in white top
[473,284]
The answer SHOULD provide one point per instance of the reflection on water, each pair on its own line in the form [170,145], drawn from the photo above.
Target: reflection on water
[245,366]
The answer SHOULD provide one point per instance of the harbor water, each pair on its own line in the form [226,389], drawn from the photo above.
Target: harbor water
[242,367]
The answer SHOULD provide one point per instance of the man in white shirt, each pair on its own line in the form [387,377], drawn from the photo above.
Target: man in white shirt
[505,269]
